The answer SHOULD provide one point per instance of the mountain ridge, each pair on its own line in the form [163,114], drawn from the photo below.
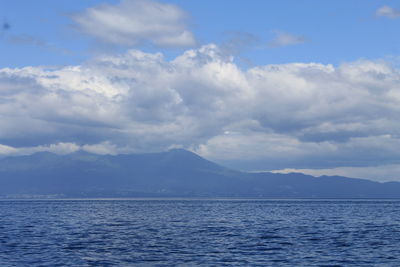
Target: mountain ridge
[175,173]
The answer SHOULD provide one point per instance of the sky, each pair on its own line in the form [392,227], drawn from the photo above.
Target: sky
[307,86]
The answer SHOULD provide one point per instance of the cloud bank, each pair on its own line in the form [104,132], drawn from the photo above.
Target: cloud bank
[267,117]
[133,22]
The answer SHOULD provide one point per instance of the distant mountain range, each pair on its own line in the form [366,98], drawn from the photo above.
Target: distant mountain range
[176,173]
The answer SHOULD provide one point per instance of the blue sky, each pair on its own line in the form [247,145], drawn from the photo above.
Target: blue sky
[309,86]
[334,31]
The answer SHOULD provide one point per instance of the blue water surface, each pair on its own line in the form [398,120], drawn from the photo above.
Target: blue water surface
[184,232]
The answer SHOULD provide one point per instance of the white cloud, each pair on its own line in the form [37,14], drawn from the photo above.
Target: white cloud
[7,150]
[387,11]
[59,148]
[267,117]
[285,39]
[132,22]
[103,148]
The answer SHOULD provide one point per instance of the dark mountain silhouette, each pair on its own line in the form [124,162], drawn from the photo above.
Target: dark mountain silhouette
[176,173]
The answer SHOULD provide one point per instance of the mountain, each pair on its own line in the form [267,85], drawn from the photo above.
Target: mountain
[176,173]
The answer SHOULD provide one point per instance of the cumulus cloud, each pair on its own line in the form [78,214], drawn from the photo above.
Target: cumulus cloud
[133,22]
[266,117]
[387,11]
[285,39]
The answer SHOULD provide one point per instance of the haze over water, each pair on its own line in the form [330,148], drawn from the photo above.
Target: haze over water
[199,232]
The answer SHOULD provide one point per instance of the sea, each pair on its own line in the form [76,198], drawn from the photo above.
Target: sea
[199,232]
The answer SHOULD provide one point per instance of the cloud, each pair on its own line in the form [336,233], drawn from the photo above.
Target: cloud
[26,39]
[134,22]
[285,39]
[280,116]
[387,11]
[59,148]
[7,150]
[103,148]
[235,42]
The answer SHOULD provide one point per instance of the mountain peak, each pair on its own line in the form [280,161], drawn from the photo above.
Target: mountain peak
[177,172]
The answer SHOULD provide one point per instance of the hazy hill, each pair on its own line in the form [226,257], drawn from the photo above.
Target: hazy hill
[176,173]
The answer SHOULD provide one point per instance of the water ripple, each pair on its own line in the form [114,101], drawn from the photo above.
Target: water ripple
[203,232]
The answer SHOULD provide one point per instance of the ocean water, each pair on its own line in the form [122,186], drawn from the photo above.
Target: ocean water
[199,233]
